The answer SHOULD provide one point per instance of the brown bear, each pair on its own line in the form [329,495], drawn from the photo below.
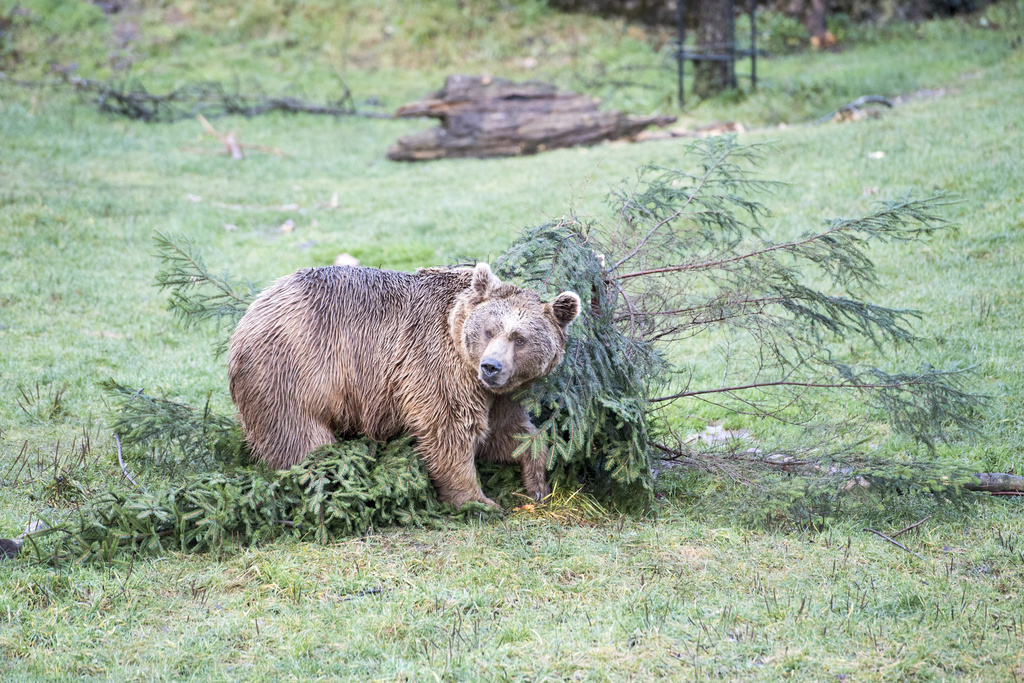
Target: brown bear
[437,354]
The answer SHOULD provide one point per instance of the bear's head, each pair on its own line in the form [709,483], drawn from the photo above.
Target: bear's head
[505,334]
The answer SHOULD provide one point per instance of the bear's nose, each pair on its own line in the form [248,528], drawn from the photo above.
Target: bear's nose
[490,367]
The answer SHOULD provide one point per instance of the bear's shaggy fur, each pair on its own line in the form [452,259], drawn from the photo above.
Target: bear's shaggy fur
[436,354]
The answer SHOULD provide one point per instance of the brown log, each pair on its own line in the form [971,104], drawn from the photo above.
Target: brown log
[996,482]
[484,117]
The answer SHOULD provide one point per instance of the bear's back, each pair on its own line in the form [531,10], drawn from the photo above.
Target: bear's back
[341,341]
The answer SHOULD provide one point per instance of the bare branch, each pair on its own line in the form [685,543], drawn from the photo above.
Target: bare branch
[762,385]
[895,543]
[214,99]
[912,526]
[120,460]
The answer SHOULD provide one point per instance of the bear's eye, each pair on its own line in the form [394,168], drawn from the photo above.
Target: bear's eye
[520,341]
[488,335]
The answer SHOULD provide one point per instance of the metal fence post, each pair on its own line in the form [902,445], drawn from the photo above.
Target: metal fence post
[726,52]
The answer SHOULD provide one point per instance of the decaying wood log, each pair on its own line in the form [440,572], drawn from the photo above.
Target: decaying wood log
[485,117]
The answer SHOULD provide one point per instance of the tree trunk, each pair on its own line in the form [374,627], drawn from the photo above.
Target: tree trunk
[715,38]
[814,15]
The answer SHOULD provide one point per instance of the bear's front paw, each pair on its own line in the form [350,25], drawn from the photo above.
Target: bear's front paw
[540,491]
[478,497]
[535,477]
[490,503]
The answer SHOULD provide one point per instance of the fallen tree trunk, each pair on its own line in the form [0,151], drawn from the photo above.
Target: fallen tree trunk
[996,482]
[999,483]
[484,117]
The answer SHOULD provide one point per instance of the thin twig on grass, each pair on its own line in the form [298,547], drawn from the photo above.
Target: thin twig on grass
[120,460]
[912,526]
[895,543]
[117,440]
[362,594]
[232,146]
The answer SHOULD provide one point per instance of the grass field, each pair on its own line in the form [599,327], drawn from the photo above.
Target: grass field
[686,592]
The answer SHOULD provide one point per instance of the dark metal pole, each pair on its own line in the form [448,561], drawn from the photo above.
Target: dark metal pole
[679,54]
[753,45]
[732,44]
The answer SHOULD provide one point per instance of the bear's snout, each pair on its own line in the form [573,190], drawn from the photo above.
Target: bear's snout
[490,371]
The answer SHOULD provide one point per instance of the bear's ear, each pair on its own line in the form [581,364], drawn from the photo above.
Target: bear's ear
[565,308]
[483,280]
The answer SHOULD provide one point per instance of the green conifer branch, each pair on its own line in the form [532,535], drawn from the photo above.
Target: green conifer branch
[175,432]
[196,294]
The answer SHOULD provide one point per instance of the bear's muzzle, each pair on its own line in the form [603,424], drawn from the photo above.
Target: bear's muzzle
[491,373]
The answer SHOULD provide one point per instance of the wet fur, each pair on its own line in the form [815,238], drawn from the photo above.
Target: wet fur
[374,352]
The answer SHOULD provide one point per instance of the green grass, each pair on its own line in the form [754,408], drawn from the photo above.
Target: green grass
[690,593]
[678,598]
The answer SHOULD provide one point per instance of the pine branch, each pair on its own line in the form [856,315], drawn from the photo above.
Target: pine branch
[176,432]
[923,405]
[339,491]
[701,266]
[692,196]
[196,294]
[780,383]
[187,271]
[596,395]
[837,250]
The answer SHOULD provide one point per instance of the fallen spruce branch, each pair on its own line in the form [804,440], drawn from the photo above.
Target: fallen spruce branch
[210,98]
[340,492]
